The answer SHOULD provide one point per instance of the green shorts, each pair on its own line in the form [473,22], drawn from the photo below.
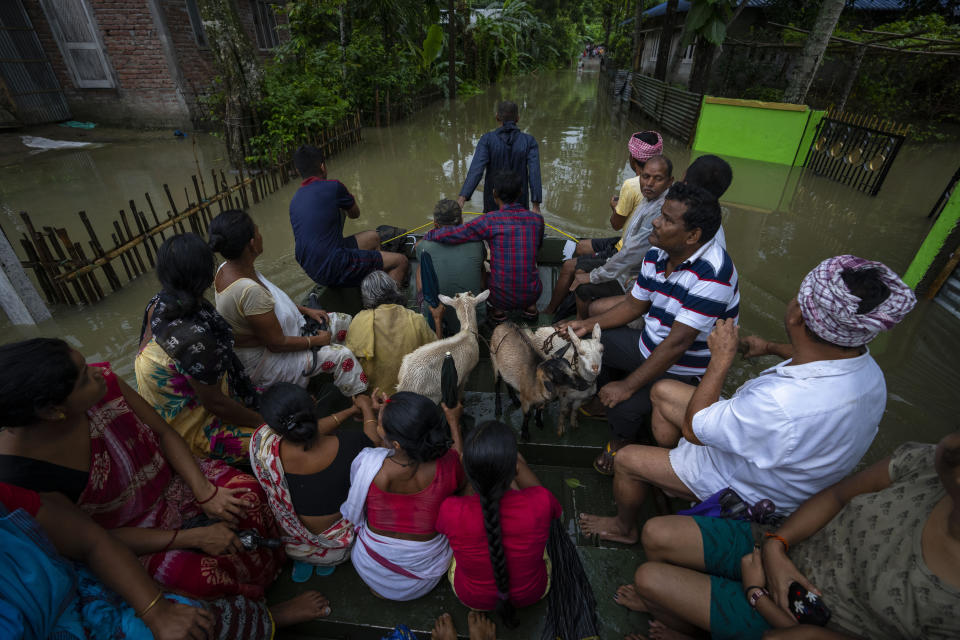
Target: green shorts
[725,542]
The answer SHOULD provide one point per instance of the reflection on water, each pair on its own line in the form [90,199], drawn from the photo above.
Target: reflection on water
[779,221]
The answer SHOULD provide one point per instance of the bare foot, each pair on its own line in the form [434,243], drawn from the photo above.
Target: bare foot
[660,631]
[481,627]
[305,607]
[607,528]
[628,597]
[443,628]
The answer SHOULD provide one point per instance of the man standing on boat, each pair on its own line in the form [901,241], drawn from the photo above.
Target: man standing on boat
[505,149]
[794,430]
[687,281]
[327,257]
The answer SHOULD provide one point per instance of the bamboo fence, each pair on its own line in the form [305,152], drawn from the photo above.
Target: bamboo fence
[68,274]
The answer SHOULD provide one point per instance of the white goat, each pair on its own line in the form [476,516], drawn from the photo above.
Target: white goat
[585,356]
[420,369]
[535,377]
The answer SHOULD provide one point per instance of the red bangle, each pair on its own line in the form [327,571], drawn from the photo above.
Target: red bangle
[176,532]
[786,545]
[212,495]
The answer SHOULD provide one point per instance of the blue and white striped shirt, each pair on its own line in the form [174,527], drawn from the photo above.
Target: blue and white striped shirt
[698,292]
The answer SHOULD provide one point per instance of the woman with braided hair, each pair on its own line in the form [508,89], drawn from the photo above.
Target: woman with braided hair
[396,493]
[501,564]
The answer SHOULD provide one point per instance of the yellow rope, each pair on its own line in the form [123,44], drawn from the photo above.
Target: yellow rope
[546,224]
[476,213]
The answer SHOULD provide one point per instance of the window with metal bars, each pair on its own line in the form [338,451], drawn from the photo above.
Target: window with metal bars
[265,24]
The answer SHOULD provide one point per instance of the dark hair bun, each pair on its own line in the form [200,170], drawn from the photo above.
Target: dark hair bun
[289,410]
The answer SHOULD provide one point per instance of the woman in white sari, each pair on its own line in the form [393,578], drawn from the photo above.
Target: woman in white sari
[267,324]
[395,496]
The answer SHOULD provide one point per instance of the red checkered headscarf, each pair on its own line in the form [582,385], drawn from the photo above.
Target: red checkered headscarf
[641,151]
[829,309]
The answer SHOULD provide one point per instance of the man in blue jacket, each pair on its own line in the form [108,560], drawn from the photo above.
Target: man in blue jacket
[505,149]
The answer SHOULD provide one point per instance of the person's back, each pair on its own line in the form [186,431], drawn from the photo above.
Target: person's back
[457,268]
[315,218]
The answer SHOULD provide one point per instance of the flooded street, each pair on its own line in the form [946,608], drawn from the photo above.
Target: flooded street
[779,223]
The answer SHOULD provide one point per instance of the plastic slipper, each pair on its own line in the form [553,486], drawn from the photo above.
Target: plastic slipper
[595,416]
[323,571]
[301,571]
[603,463]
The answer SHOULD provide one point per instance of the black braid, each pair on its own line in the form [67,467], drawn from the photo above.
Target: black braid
[491,522]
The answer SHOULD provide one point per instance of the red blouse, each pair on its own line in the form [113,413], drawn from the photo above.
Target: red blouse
[525,518]
[14,498]
[415,513]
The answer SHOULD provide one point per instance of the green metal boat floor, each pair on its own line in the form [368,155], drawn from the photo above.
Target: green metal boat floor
[358,614]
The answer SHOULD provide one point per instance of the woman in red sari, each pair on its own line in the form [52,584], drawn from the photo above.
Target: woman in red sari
[82,431]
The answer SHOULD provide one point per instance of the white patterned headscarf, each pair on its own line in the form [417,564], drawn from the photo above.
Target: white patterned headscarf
[829,309]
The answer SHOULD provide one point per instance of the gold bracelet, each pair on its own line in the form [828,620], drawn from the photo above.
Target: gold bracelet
[151,605]
[335,418]
[308,343]
[370,420]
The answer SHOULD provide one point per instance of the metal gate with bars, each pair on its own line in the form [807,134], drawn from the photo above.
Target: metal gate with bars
[855,150]
[26,76]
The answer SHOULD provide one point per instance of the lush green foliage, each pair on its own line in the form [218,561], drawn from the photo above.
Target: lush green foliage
[340,56]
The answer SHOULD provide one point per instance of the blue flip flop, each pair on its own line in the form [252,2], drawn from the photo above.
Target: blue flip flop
[324,570]
[301,571]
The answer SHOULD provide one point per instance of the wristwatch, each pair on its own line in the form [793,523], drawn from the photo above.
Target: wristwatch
[755,594]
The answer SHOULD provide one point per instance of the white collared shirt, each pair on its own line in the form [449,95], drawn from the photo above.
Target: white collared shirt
[786,434]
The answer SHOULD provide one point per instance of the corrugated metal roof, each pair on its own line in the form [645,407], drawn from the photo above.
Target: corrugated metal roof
[861,5]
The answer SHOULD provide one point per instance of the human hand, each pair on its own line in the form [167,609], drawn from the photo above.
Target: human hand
[322,339]
[225,504]
[169,620]
[580,327]
[318,314]
[781,573]
[613,393]
[723,341]
[461,200]
[752,347]
[613,202]
[453,415]
[216,540]
[363,403]
[378,399]
[535,207]
[751,569]
[581,277]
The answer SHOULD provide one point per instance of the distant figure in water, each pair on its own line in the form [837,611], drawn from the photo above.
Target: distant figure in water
[505,149]
[322,251]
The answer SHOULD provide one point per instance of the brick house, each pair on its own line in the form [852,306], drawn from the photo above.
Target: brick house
[140,63]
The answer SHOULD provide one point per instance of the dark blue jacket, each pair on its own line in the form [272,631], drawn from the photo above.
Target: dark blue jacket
[506,148]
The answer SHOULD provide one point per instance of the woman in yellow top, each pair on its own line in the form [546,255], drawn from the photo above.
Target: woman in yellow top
[186,367]
[267,324]
[385,331]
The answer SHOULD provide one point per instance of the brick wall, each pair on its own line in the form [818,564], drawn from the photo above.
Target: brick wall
[147,93]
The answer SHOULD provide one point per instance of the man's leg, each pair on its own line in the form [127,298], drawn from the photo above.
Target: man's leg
[604,304]
[584,248]
[396,265]
[367,240]
[670,399]
[635,468]
[562,288]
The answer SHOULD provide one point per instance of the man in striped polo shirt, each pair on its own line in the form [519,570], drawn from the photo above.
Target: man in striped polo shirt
[686,282]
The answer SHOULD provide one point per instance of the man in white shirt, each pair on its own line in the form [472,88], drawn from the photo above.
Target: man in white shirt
[792,431]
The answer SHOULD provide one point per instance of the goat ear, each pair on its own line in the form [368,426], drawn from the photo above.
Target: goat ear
[482,297]
[573,338]
[596,331]
[445,300]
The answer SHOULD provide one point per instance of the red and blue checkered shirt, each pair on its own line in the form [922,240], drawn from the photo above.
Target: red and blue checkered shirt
[514,234]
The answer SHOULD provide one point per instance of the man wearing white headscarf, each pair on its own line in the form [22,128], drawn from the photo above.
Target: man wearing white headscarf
[794,430]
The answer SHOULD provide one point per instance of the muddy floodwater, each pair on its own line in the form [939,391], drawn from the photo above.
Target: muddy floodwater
[779,222]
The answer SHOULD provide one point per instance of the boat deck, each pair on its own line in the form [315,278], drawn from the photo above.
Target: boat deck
[563,465]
